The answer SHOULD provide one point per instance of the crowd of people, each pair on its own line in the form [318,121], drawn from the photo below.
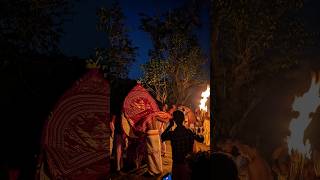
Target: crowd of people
[182,130]
[231,158]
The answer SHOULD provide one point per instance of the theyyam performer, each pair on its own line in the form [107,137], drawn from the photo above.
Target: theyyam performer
[142,117]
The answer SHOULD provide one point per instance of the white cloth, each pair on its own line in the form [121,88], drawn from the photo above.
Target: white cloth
[154,152]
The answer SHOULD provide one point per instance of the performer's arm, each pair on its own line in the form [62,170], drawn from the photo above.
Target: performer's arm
[166,133]
[198,138]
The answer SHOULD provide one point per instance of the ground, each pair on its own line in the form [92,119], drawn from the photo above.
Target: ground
[137,174]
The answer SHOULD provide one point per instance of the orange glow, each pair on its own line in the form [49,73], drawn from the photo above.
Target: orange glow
[205,95]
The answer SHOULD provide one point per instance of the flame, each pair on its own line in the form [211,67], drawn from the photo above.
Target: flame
[305,105]
[205,94]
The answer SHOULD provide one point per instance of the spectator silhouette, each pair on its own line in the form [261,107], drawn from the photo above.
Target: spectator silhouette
[200,165]
[217,166]
[182,140]
[223,167]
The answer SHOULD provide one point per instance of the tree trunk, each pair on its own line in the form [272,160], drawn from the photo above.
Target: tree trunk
[235,128]
[215,68]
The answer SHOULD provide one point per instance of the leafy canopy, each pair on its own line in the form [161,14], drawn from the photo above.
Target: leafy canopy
[116,58]
[176,59]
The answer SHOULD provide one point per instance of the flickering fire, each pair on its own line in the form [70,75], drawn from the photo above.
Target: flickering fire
[305,105]
[205,94]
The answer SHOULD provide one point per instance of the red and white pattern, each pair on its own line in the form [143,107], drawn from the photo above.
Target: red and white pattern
[76,136]
[139,104]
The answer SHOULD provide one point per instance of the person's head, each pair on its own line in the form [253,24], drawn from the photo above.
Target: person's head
[224,167]
[178,117]
[200,165]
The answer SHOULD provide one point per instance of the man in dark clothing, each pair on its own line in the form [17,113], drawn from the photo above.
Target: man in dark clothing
[182,140]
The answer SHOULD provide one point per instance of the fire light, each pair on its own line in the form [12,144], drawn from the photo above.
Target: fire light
[205,95]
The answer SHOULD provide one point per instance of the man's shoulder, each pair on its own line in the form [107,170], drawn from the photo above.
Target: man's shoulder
[189,131]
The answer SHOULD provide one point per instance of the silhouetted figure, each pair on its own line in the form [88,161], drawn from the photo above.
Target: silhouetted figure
[224,167]
[182,140]
[200,165]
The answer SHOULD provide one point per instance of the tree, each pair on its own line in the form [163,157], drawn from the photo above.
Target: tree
[156,79]
[252,42]
[117,57]
[176,53]
[31,26]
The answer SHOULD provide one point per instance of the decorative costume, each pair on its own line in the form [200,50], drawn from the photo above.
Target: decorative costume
[76,135]
[141,116]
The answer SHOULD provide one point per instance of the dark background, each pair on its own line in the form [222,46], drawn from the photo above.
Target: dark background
[31,83]
[30,86]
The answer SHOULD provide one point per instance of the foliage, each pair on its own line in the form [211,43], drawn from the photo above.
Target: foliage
[156,79]
[176,53]
[117,57]
[31,26]
[252,41]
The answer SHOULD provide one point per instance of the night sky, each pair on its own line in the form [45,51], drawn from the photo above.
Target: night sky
[311,15]
[81,37]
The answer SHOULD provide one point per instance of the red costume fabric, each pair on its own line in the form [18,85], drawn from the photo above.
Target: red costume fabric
[76,136]
[138,105]
[139,109]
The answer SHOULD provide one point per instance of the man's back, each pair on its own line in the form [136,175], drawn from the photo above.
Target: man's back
[182,143]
